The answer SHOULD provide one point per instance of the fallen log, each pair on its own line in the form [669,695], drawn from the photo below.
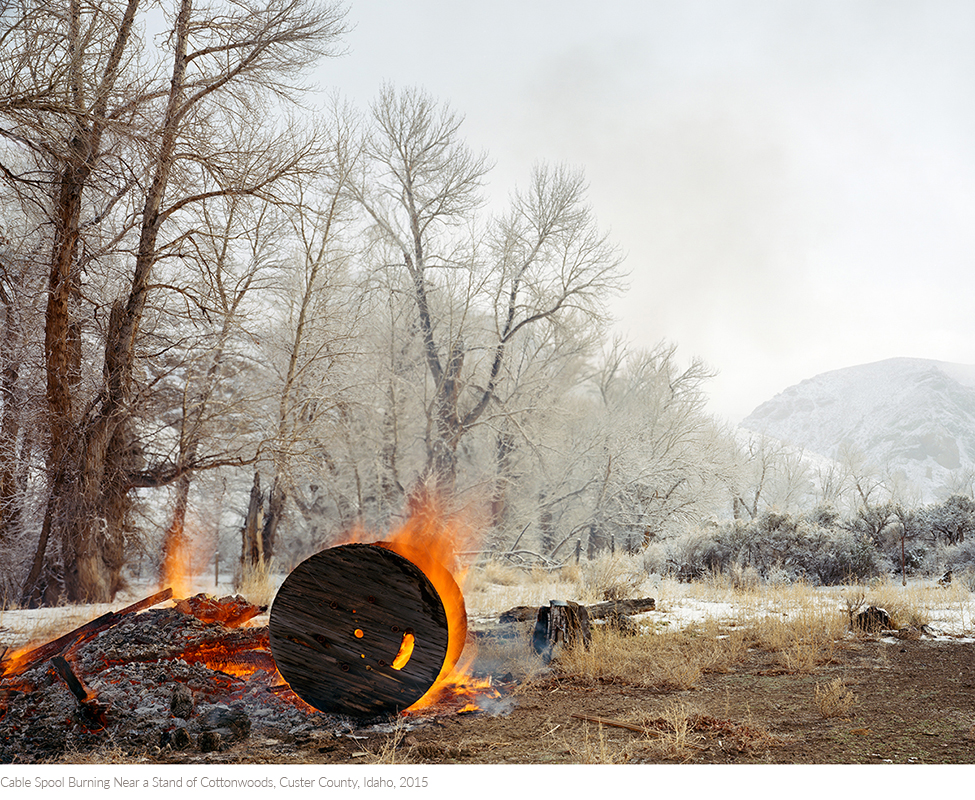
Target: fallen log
[81,634]
[615,723]
[595,611]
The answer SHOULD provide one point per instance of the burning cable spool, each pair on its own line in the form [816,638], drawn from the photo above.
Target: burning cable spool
[361,630]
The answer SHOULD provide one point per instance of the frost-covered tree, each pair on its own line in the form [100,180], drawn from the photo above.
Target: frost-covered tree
[476,285]
[112,144]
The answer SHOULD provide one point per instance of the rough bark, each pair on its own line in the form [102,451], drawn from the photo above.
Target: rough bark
[252,542]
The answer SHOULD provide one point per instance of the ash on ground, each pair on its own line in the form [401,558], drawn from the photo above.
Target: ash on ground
[168,685]
[158,680]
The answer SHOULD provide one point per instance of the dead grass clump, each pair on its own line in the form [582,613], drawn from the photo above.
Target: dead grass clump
[257,583]
[570,573]
[834,699]
[803,642]
[673,734]
[390,750]
[612,577]
[911,605]
[598,749]
[671,660]
[681,731]
[494,572]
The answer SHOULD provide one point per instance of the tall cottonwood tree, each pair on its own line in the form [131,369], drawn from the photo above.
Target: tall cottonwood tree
[309,345]
[111,137]
[475,285]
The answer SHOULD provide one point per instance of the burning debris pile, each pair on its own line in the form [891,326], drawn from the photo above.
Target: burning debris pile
[179,678]
[360,630]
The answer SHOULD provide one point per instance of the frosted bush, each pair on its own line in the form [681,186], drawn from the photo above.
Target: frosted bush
[961,557]
[779,548]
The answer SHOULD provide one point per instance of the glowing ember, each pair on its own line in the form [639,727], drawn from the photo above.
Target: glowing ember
[229,611]
[405,651]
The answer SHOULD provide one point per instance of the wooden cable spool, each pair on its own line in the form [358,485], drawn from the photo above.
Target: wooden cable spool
[360,630]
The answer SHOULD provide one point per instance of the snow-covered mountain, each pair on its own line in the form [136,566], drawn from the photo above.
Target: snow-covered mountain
[908,414]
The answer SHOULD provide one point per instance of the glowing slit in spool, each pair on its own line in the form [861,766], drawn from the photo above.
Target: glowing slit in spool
[405,651]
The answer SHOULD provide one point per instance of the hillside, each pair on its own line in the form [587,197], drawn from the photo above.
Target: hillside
[915,415]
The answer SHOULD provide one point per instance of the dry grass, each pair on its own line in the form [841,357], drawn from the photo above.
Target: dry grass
[611,577]
[804,640]
[391,749]
[673,660]
[492,573]
[676,737]
[257,583]
[834,699]
[596,748]
[681,731]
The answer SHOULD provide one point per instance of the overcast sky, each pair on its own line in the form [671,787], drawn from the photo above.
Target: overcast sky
[793,182]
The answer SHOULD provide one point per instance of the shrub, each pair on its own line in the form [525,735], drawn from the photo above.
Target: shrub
[834,699]
[778,548]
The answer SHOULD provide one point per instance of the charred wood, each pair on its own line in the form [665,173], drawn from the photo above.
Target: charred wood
[561,623]
[87,631]
[92,713]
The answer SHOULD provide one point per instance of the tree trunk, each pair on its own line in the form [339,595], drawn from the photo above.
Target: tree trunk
[504,446]
[13,407]
[560,623]
[276,498]
[252,544]
[546,524]
[90,503]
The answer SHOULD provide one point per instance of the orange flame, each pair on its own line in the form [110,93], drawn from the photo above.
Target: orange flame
[431,539]
[185,552]
[13,664]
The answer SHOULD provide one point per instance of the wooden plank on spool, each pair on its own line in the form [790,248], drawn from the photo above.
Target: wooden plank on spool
[340,620]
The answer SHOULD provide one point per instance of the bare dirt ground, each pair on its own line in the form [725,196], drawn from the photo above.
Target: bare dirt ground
[914,703]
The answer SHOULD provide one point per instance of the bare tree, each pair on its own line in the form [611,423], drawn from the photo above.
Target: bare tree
[666,461]
[234,251]
[772,475]
[311,340]
[475,287]
[95,119]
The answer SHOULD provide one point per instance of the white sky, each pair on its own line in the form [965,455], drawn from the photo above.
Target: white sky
[793,182]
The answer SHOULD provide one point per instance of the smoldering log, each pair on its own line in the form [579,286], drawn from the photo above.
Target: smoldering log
[90,629]
[91,711]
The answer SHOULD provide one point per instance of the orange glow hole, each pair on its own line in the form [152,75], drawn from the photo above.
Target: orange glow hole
[358,633]
[405,651]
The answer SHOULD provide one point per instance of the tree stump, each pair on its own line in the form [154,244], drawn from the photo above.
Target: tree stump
[872,620]
[560,623]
